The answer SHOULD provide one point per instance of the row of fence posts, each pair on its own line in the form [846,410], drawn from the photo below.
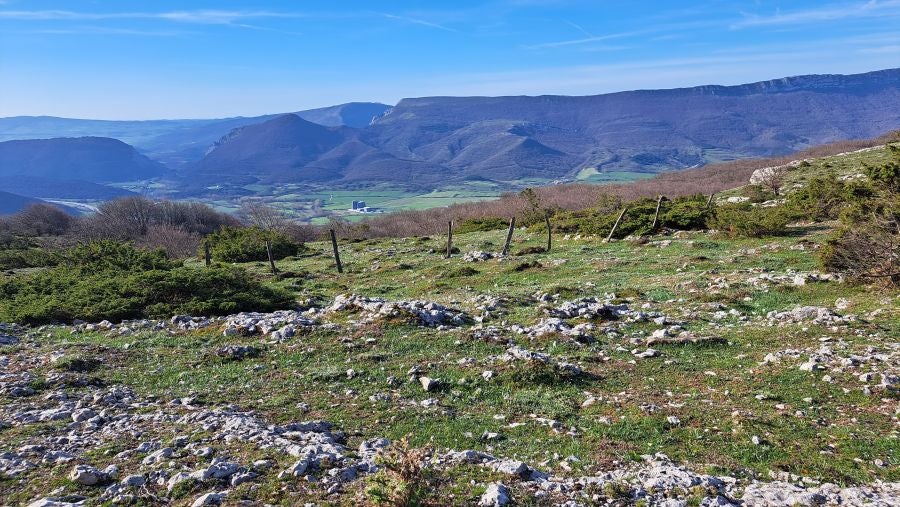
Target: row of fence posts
[506,244]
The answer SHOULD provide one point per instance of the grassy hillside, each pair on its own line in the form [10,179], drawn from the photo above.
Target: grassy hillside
[734,357]
[723,392]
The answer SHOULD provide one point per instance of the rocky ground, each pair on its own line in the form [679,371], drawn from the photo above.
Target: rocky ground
[681,371]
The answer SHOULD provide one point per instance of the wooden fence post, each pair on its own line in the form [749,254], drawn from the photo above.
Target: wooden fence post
[549,231]
[709,201]
[449,238]
[206,255]
[656,215]
[509,233]
[337,256]
[616,225]
[271,260]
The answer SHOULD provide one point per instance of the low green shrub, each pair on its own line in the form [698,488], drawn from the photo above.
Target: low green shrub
[247,244]
[826,197]
[17,258]
[115,281]
[683,213]
[866,246]
[744,220]
[757,193]
[481,224]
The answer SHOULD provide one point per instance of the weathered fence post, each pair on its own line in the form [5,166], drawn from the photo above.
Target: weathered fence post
[656,215]
[549,231]
[709,201]
[337,256]
[271,260]
[449,238]
[206,255]
[616,225]
[509,233]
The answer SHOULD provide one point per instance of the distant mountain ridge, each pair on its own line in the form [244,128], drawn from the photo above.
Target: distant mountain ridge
[176,142]
[429,142]
[92,159]
[424,141]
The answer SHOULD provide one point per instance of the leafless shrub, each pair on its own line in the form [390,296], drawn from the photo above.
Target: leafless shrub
[40,220]
[264,216]
[302,233]
[191,216]
[132,218]
[177,242]
[131,215]
[7,236]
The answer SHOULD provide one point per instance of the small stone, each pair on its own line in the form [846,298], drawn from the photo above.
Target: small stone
[87,475]
[496,495]
[238,479]
[8,340]
[512,467]
[209,499]
[134,481]
[83,414]
[646,354]
[298,469]
[428,384]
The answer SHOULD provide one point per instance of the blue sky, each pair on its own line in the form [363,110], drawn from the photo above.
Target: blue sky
[164,59]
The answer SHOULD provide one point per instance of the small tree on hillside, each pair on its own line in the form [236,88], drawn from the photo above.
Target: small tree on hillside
[264,216]
[771,178]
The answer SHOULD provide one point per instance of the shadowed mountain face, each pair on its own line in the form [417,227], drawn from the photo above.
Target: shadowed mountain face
[91,159]
[42,187]
[429,140]
[278,149]
[176,142]
[12,203]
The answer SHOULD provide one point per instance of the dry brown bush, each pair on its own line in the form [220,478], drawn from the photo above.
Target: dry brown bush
[40,220]
[132,218]
[264,216]
[174,240]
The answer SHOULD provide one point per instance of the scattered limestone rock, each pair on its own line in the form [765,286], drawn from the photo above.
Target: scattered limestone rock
[210,499]
[815,314]
[496,495]
[428,384]
[237,352]
[477,256]
[517,353]
[252,323]
[426,313]
[87,475]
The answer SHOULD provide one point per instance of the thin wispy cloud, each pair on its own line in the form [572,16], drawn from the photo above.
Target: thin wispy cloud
[583,40]
[650,30]
[101,30]
[857,10]
[203,17]
[882,50]
[421,22]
